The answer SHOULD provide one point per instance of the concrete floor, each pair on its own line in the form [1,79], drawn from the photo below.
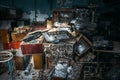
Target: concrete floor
[5,76]
[19,75]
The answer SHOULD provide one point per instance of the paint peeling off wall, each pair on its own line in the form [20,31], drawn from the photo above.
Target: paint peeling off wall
[40,16]
[31,16]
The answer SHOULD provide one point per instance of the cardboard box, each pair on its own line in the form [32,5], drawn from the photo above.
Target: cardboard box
[4,36]
[18,36]
[19,63]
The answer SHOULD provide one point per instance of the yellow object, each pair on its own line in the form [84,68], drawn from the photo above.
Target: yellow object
[38,64]
[49,24]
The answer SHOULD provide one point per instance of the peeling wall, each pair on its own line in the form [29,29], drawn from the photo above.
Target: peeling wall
[43,7]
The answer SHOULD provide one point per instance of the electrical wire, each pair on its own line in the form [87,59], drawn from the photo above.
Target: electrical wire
[6,54]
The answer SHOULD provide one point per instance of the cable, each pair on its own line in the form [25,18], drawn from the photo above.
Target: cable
[5,56]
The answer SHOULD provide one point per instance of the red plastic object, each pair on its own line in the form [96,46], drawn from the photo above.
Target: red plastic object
[11,45]
[15,45]
[32,48]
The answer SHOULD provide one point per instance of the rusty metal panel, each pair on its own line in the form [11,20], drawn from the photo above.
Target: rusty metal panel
[32,48]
